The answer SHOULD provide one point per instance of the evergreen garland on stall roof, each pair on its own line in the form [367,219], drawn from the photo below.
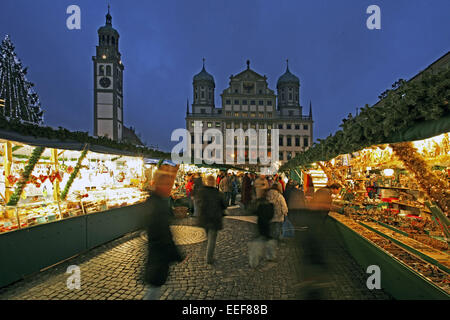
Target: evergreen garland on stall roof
[404,106]
[35,156]
[73,175]
[21,102]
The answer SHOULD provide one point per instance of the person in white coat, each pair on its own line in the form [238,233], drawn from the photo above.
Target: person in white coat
[275,196]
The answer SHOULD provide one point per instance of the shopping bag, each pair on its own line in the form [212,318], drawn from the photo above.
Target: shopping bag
[288,229]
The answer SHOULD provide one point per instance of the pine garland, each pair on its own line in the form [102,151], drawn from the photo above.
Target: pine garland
[73,175]
[35,156]
[402,107]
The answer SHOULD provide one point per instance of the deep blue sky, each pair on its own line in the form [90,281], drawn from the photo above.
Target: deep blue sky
[341,64]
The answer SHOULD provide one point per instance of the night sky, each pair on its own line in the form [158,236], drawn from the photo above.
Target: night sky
[341,64]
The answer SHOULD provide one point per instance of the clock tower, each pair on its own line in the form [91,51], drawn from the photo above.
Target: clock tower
[108,84]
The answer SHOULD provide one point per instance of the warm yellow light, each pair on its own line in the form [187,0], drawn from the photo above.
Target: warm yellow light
[388,172]
[104,56]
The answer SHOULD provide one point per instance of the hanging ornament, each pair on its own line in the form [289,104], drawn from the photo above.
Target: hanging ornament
[52,177]
[58,175]
[12,179]
[42,178]
[69,169]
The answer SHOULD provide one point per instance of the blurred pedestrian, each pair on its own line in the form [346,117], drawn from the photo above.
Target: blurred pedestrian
[211,206]
[234,189]
[261,186]
[246,190]
[197,183]
[161,248]
[274,196]
[225,187]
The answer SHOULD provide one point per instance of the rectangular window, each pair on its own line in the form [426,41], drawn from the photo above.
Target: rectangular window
[305,127]
[269,126]
[245,114]
[236,114]
[192,124]
[280,126]
[305,142]
[228,113]
[228,125]
[269,102]
[244,102]
[228,102]
[236,101]
[289,141]
[209,124]
[289,155]
[280,141]
[281,155]
[253,126]
[261,102]
[245,127]
[297,141]
[252,114]
[261,114]
[288,126]
[252,102]
[203,94]
[297,127]
[218,125]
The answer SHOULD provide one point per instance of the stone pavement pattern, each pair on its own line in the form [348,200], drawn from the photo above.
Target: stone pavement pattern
[113,271]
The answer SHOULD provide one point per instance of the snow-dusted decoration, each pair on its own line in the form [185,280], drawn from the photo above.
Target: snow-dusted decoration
[21,101]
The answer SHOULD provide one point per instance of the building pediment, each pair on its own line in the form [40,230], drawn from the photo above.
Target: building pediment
[248,75]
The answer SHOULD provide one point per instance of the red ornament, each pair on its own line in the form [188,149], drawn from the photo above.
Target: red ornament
[42,178]
[58,176]
[70,169]
[52,177]
[11,179]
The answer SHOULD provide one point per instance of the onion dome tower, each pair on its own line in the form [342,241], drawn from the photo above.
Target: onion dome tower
[204,85]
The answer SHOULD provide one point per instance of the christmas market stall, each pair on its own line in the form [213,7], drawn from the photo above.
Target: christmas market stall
[393,162]
[62,197]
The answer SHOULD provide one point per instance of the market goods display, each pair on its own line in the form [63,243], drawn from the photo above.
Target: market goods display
[427,270]
[92,183]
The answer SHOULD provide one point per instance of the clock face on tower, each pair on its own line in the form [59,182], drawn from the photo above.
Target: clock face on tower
[105,82]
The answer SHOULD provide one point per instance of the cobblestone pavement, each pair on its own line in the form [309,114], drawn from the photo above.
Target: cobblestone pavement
[113,271]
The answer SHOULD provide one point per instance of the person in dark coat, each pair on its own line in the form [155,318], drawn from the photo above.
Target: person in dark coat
[211,206]
[162,250]
[197,184]
[246,190]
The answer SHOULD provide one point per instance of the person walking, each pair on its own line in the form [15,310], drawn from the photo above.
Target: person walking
[246,190]
[197,184]
[261,186]
[274,196]
[315,265]
[295,198]
[226,188]
[234,189]
[211,206]
[161,249]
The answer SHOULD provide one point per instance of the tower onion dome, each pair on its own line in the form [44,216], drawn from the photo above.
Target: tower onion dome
[203,75]
[108,28]
[288,77]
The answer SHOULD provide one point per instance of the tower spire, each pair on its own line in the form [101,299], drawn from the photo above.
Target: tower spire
[203,63]
[287,65]
[310,109]
[108,17]
[248,64]
[187,106]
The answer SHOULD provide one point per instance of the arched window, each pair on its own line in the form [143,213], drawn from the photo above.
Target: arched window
[108,70]
[101,70]
[107,39]
[112,40]
[103,39]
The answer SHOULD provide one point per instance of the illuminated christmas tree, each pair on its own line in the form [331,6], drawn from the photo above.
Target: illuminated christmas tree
[21,102]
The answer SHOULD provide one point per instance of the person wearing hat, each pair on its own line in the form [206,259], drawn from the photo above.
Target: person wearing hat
[211,206]
[161,249]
